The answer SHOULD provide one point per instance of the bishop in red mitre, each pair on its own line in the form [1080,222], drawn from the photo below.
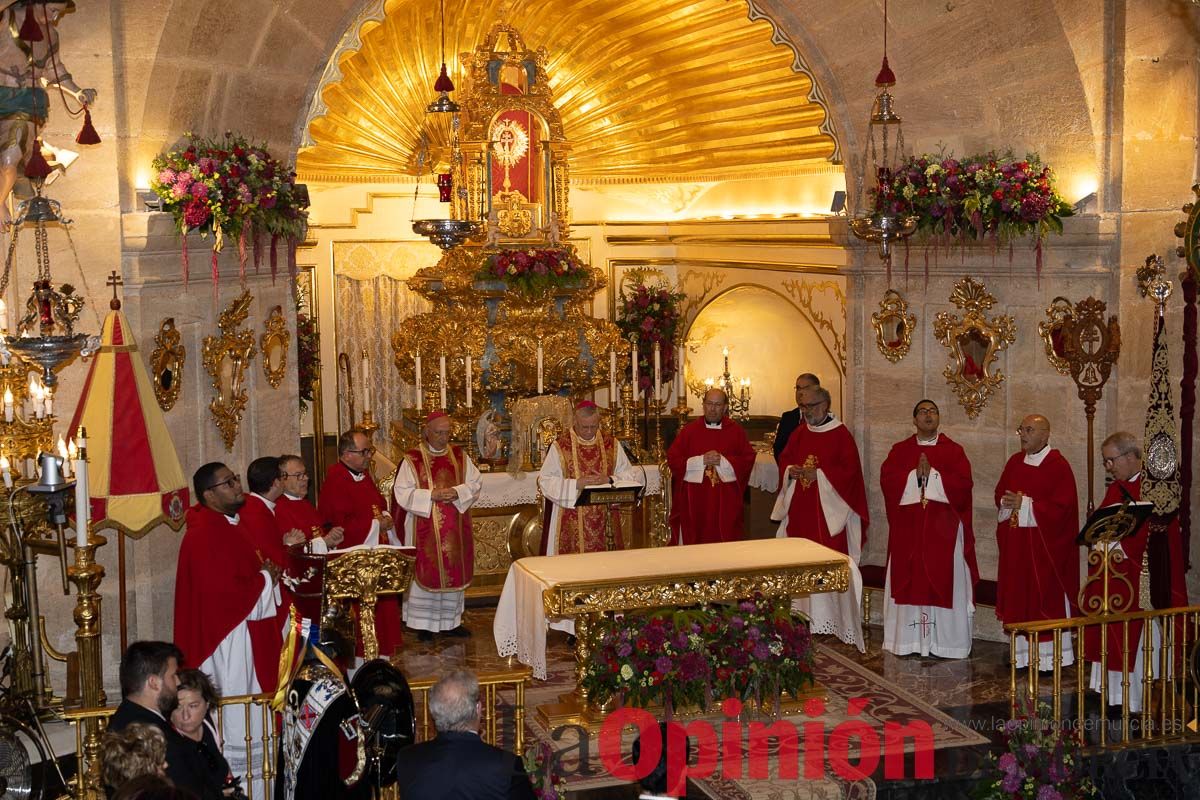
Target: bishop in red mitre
[823,498]
[710,463]
[351,501]
[221,586]
[436,484]
[1037,577]
[929,603]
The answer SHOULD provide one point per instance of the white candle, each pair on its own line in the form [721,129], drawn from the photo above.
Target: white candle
[469,380]
[8,405]
[680,384]
[83,511]
[612,378]
[6,471]
[366,379]
[442,376]
[48,394]
[539,367]
[417,362]
[657,372]
[65,456]
[634,362]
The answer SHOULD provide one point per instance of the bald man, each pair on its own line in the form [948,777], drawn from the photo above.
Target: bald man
[1038,505]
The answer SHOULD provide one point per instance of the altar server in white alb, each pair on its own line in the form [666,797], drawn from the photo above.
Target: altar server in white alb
[929,603]
[436,485]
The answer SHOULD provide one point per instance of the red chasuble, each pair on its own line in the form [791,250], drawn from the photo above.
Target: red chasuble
[585,529]
[218,581]
[1038,565]
[709,511]
[257,524]
[1131,569]
[352,505]
[921,538]
[445,546]
[299,514]
[835,454]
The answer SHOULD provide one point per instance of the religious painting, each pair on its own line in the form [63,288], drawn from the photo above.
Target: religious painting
[974,340]
[1053,332]
[166,364]
[893,326]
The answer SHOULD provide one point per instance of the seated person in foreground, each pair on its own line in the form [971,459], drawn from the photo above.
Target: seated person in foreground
[137,749]
[196,699]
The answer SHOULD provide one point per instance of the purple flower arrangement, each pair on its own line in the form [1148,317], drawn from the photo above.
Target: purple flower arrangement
[1042,762]
[652,313]
[533,271]
[539,765]
[754,649]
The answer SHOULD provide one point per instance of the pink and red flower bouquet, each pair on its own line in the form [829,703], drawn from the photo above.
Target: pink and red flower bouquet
[533,270]
[652,314]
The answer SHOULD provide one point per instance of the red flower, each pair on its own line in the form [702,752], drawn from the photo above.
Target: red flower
[196,213]
[998,194]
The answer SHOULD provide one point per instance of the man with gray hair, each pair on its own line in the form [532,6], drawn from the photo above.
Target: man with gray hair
[789,421]
[457,764]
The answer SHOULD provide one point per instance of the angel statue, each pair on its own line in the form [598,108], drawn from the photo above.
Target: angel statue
[29,65]
[487,435]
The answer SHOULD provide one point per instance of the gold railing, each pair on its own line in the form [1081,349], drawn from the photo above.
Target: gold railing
[1168,692]
[492,729]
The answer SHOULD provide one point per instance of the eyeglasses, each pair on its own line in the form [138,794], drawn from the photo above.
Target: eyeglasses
[1108,462]
[811,406]
[366,451]
[228,482]
[1027,430]
[293,474]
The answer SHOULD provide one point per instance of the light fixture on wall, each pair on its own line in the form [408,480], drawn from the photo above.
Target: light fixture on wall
[884,150]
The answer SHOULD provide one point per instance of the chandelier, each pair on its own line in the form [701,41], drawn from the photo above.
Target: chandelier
[885,222]
[737,390]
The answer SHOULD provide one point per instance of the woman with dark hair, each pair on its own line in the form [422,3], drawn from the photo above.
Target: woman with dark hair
[196,698]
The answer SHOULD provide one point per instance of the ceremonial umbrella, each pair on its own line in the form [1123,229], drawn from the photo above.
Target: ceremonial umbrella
[135,481]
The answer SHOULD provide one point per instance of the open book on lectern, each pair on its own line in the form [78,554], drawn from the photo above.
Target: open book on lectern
[1113,523]
[607,494]
[404,551]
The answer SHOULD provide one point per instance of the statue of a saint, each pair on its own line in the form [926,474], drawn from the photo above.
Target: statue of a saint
[487,435]
[27,70]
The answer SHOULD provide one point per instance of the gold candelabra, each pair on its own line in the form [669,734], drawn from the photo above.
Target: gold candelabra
[86,574]
[737,390]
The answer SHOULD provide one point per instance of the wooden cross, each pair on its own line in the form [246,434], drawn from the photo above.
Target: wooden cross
[114,280]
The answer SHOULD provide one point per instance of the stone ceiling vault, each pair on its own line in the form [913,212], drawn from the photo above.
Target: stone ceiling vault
[648,90]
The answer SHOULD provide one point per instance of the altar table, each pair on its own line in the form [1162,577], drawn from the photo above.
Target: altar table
[585,585]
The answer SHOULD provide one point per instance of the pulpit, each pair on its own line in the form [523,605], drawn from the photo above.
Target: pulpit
[364,574]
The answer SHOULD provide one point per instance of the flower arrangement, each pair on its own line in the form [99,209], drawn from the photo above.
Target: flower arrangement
[533,271]
[539,762]
[993,195]
[652,314]
[308,356]
[234,190]
[1042,762]
[753,649]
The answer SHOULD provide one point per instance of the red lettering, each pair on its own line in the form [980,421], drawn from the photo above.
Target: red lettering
[610,743]
[839,750]
[894,735]
[789,749]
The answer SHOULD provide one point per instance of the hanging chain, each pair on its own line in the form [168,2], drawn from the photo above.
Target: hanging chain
[8,261]
[43,251]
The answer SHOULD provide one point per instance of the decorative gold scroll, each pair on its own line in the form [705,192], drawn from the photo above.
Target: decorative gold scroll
[973,340]
[1058,314]
[166,364]
[274,345]
[365,575]
[225,359]
[894,326]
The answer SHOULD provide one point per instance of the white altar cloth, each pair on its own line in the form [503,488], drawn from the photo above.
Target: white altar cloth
[520,624]
[765,473]
[503,489]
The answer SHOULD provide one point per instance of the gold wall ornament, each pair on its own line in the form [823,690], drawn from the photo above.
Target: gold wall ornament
[973,340]
[166,364]
[1058,313]
[894,326]
[225,359]
[274,346]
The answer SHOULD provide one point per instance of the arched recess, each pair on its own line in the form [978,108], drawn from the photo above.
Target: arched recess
[770,340]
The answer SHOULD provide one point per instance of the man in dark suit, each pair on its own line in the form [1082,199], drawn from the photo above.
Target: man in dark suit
[457,764]
[793,419]
[148,695]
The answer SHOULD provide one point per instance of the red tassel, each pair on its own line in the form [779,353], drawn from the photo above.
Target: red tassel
[242,256]
[885,77]
[274,256]
[87,134]
[443,82]
[36,168]
[186,261]
[30,30]
[292,244]
[258,247]
[216,272]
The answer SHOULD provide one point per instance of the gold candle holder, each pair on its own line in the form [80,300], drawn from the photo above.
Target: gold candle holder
[86,574]
[368,425]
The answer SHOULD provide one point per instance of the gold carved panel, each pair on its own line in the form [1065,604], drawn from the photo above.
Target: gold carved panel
[274,344]
[894,326]
[166,364]
[973,339]
[1059,315]
[226,358]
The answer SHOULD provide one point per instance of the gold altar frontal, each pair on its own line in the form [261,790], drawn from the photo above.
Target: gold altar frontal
[587,585]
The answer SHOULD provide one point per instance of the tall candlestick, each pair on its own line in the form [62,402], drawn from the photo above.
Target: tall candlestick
[366,382]
[417,362]
[82,503]
[539,366]
[657,372]
[634,361]
[680,383]
[612,379]
[48,401]
[8,405]
[469,388]
[442,376]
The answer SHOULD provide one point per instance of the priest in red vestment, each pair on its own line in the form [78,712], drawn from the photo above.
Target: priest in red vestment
[351,501]
[221,586]
[1038,573]
[294,512]
[710,463]
[929,603]
[823,497]
[436,484]
[1123,462]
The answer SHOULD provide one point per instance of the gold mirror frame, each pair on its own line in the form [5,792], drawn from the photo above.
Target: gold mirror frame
[237,347]
[1059,315]
[275,340]
[168,356]
[996,334]
[893,306]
